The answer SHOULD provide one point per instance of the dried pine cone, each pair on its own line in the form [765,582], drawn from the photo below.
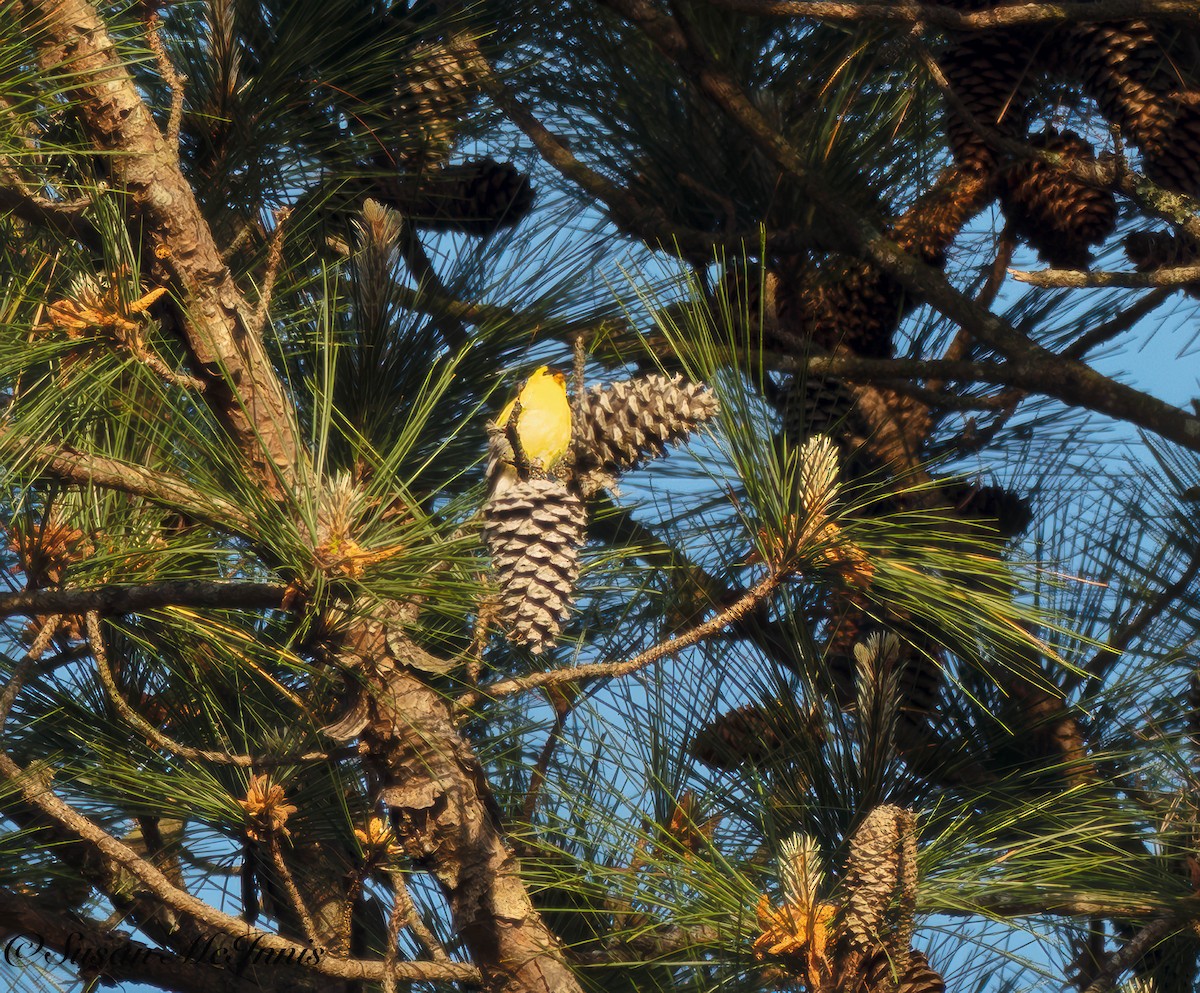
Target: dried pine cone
[1056,213]
[1123,68]
[534,531]
[622,425]
[881,882]
[821,405]
[846,304]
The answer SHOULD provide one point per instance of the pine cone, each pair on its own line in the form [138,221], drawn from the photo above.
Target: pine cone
[432,93]
[881,882]
[476,198]
[846,304]
[1009,512]
[1174,161]
[930,226]
[534,531]
[1125,69]
[819,405]
[875,972]
[1056,213]
[746,734]
[1150,250]
[622,425]
[990,75]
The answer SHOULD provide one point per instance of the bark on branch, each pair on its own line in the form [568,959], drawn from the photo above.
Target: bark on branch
[111,600]
[74,47]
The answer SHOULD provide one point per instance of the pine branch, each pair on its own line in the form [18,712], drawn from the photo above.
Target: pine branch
[111,600]
[129,960]
[35,791]
[1074,278]
[215,317]
[1134,949]
[84,468]
[165,743]
[735,612]
[1070,381]
[943,16]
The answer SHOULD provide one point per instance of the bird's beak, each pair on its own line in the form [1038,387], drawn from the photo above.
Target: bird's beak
[559,378]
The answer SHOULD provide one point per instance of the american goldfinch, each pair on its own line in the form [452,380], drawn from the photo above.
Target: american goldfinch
[543,427]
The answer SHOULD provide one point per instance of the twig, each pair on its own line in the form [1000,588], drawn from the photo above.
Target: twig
[938,15]
[415,257]
[1118,324]
[161,210]
[615,670]
[1134,949]
[412,917]
[1075,278]
[1099,663]
[36,650]
[156,966]
[538,776]
[293,892]
[174,80]
[274,260]
[167,744]
[136,599]
[484,617]
[513,436]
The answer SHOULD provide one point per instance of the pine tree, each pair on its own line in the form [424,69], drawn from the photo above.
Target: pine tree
[840,651]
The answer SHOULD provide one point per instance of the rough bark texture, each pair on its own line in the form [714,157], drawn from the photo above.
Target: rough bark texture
[445,814]
[158,201]
[430,779]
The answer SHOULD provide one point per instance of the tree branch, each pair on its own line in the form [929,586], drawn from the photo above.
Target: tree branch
[1074,278]
[615,670]
[1134,949]
[138,599]
[74,47]
[942,16]
[83,468]
[36,792]
[127,959]
[1070,381]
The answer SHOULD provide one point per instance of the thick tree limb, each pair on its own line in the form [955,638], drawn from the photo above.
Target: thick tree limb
[74,47]
[111,600]
[435,788]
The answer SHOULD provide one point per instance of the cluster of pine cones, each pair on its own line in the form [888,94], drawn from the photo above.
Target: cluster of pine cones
[1129,71]
[535,528]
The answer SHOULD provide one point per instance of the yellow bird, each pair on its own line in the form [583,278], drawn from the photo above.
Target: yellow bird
[543,426]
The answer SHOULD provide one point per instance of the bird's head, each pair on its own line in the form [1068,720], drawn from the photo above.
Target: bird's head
[544,371]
